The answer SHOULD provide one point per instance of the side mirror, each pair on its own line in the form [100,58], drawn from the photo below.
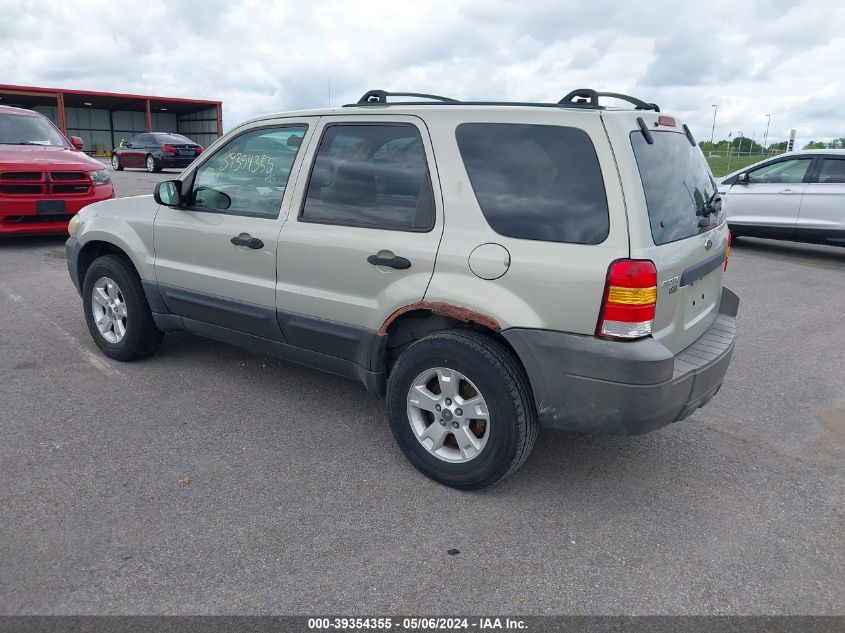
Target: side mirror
[742,179]
[77,142]
[169,193]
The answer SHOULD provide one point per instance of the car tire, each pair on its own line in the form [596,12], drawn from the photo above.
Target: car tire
[479,366]
[126,329]
[151,164]
[115,163]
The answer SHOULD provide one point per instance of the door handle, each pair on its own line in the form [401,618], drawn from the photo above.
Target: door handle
[786,192]
[391,261]
[245,239]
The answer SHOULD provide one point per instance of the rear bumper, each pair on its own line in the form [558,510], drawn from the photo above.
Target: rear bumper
[176,161]
[583,383]
[18,214]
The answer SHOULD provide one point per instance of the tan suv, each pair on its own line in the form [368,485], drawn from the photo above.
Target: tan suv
[491,267]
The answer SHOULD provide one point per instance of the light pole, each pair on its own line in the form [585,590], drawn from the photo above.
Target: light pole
[713,129]
[766,135]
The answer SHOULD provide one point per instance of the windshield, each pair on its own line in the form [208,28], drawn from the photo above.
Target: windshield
[679,191]
[18,129]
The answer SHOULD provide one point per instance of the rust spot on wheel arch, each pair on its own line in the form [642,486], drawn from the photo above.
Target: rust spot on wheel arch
[445,309]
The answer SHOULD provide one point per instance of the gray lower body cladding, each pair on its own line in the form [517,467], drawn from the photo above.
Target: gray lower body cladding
[582,383]
[72,249]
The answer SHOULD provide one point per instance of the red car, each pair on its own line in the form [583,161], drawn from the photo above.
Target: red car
[44,178]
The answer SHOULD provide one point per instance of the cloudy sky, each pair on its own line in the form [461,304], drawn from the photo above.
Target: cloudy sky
[752,58]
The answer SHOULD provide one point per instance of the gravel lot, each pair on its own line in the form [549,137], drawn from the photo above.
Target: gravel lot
[210,480]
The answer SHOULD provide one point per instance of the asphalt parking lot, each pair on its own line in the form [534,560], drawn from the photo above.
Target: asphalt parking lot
[206,479]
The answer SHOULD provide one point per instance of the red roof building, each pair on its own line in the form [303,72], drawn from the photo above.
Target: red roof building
[103,119]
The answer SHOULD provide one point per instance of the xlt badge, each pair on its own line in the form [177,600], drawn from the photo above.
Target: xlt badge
[671,284]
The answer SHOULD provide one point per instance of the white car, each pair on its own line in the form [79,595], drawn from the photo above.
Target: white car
[799,196]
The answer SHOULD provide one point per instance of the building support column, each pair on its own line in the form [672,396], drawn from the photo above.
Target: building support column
[60,104]
[149,117]
[111,131]
[219,120]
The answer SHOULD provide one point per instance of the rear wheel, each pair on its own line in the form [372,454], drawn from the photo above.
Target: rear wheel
[152,164]
[116,310]
[461,409]
[115,163]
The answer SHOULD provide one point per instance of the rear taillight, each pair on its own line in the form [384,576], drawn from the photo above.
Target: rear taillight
[728,251]
[198,149]
[630,297]
[169,149]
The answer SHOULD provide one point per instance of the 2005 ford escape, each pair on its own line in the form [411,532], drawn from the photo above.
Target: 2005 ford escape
[491,267]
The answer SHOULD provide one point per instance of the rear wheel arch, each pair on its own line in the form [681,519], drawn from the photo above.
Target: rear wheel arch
[412,323]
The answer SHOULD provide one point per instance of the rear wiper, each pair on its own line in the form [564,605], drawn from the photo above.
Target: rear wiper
[713,204]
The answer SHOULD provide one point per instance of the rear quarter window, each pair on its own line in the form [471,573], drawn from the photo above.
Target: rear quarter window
[536,182]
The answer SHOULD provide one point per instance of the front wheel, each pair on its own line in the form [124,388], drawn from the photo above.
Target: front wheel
[152,164]
[115,163]
[116,310]
[460,407]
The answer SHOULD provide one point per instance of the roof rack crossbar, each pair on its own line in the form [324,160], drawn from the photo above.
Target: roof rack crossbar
[380,96]
[584,96]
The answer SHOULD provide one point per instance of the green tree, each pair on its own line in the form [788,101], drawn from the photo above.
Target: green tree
[816,145]
[720,146]
[745,145]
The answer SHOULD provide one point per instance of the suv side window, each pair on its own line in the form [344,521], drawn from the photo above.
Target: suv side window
[832,171]
[782,172]
[372,176]
[248,175]
[536,182]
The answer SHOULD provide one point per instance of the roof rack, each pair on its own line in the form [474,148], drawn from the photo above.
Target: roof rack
[581,98]
[380,96]
[582,95]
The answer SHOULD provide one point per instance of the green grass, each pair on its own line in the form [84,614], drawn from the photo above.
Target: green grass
[719,164]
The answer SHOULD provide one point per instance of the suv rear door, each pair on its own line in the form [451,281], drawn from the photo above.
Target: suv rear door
[668,186]
[363,233]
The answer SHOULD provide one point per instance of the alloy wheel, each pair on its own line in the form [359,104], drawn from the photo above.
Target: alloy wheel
[448,415]
[108,308]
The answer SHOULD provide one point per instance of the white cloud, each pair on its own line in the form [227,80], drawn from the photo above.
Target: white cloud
[752,58]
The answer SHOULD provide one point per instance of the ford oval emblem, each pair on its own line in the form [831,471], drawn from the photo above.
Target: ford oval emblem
[708,244]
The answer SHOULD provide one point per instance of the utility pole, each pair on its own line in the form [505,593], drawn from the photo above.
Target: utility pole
[730,147]
[766,135]
[713,129]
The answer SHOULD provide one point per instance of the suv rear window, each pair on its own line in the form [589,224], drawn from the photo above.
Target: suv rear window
[677,184]
[536,182]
